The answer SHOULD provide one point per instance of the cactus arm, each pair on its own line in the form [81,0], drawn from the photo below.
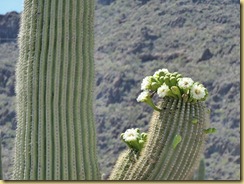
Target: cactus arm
[159,160]
[177,130]
[160,130]
[121,167]
[164,140]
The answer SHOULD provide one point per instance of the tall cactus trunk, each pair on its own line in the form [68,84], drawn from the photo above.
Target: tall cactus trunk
[161,159]
[54,83]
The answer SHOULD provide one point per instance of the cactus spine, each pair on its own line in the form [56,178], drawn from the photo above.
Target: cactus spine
[55,137]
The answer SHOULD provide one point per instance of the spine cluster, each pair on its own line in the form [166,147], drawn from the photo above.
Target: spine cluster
[56,131]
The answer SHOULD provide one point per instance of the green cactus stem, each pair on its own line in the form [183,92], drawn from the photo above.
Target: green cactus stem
[160,159]
[56,137]
[201,171]
[135,141]
[177,130]
[124,163]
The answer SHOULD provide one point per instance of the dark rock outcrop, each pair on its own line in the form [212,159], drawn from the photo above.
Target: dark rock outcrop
[207,54]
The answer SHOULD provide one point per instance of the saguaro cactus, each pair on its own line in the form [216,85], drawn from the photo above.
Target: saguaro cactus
[56,137]
[54,79]
[177,131]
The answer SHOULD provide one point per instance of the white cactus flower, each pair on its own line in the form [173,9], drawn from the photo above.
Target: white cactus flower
[146,83]
[198,91]
[156,74]
[130,135]
[143,96]
[163,90]
[185,83]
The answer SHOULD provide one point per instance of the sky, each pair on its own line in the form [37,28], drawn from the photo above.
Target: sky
[11,5]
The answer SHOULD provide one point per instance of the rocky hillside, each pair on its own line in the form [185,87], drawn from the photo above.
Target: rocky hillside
[198,38]
[8,58]
[9,26]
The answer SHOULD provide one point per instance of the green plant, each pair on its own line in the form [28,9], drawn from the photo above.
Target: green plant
[177,131]
[201,171]
[55,137]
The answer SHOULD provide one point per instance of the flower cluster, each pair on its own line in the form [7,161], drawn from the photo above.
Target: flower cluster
[173,85]
[134,139]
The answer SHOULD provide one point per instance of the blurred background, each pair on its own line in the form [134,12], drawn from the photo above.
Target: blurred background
[198,38]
